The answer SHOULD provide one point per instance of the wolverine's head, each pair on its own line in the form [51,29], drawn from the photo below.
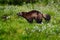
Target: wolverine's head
[21,13]
[47,17]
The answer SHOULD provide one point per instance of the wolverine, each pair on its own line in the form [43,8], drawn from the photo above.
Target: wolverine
[34,15]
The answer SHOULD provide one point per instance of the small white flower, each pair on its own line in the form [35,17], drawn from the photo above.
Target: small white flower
[8,17]
[36,27]
[32,30]
[39,30]
[43,28]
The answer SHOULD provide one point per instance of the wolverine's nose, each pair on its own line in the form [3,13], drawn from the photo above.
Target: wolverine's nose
[18,14]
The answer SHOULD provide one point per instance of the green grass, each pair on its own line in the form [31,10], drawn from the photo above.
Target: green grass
[17,28]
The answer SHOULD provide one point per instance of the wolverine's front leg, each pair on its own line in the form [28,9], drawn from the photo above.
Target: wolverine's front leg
[30,20]
[38,20]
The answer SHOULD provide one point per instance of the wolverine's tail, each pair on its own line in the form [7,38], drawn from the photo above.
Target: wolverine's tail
[47,17]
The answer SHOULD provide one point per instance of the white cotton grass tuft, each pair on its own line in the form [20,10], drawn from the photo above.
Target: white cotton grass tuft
[32,30]
[36,28]
[43,28]
[27,30]
[42,23]
[8,17]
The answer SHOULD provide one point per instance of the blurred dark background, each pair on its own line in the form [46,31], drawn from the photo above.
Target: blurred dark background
[20,2]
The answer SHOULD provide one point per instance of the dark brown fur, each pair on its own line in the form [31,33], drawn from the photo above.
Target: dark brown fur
[29,16]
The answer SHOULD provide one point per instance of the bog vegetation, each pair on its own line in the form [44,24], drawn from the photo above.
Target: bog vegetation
[17,28]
